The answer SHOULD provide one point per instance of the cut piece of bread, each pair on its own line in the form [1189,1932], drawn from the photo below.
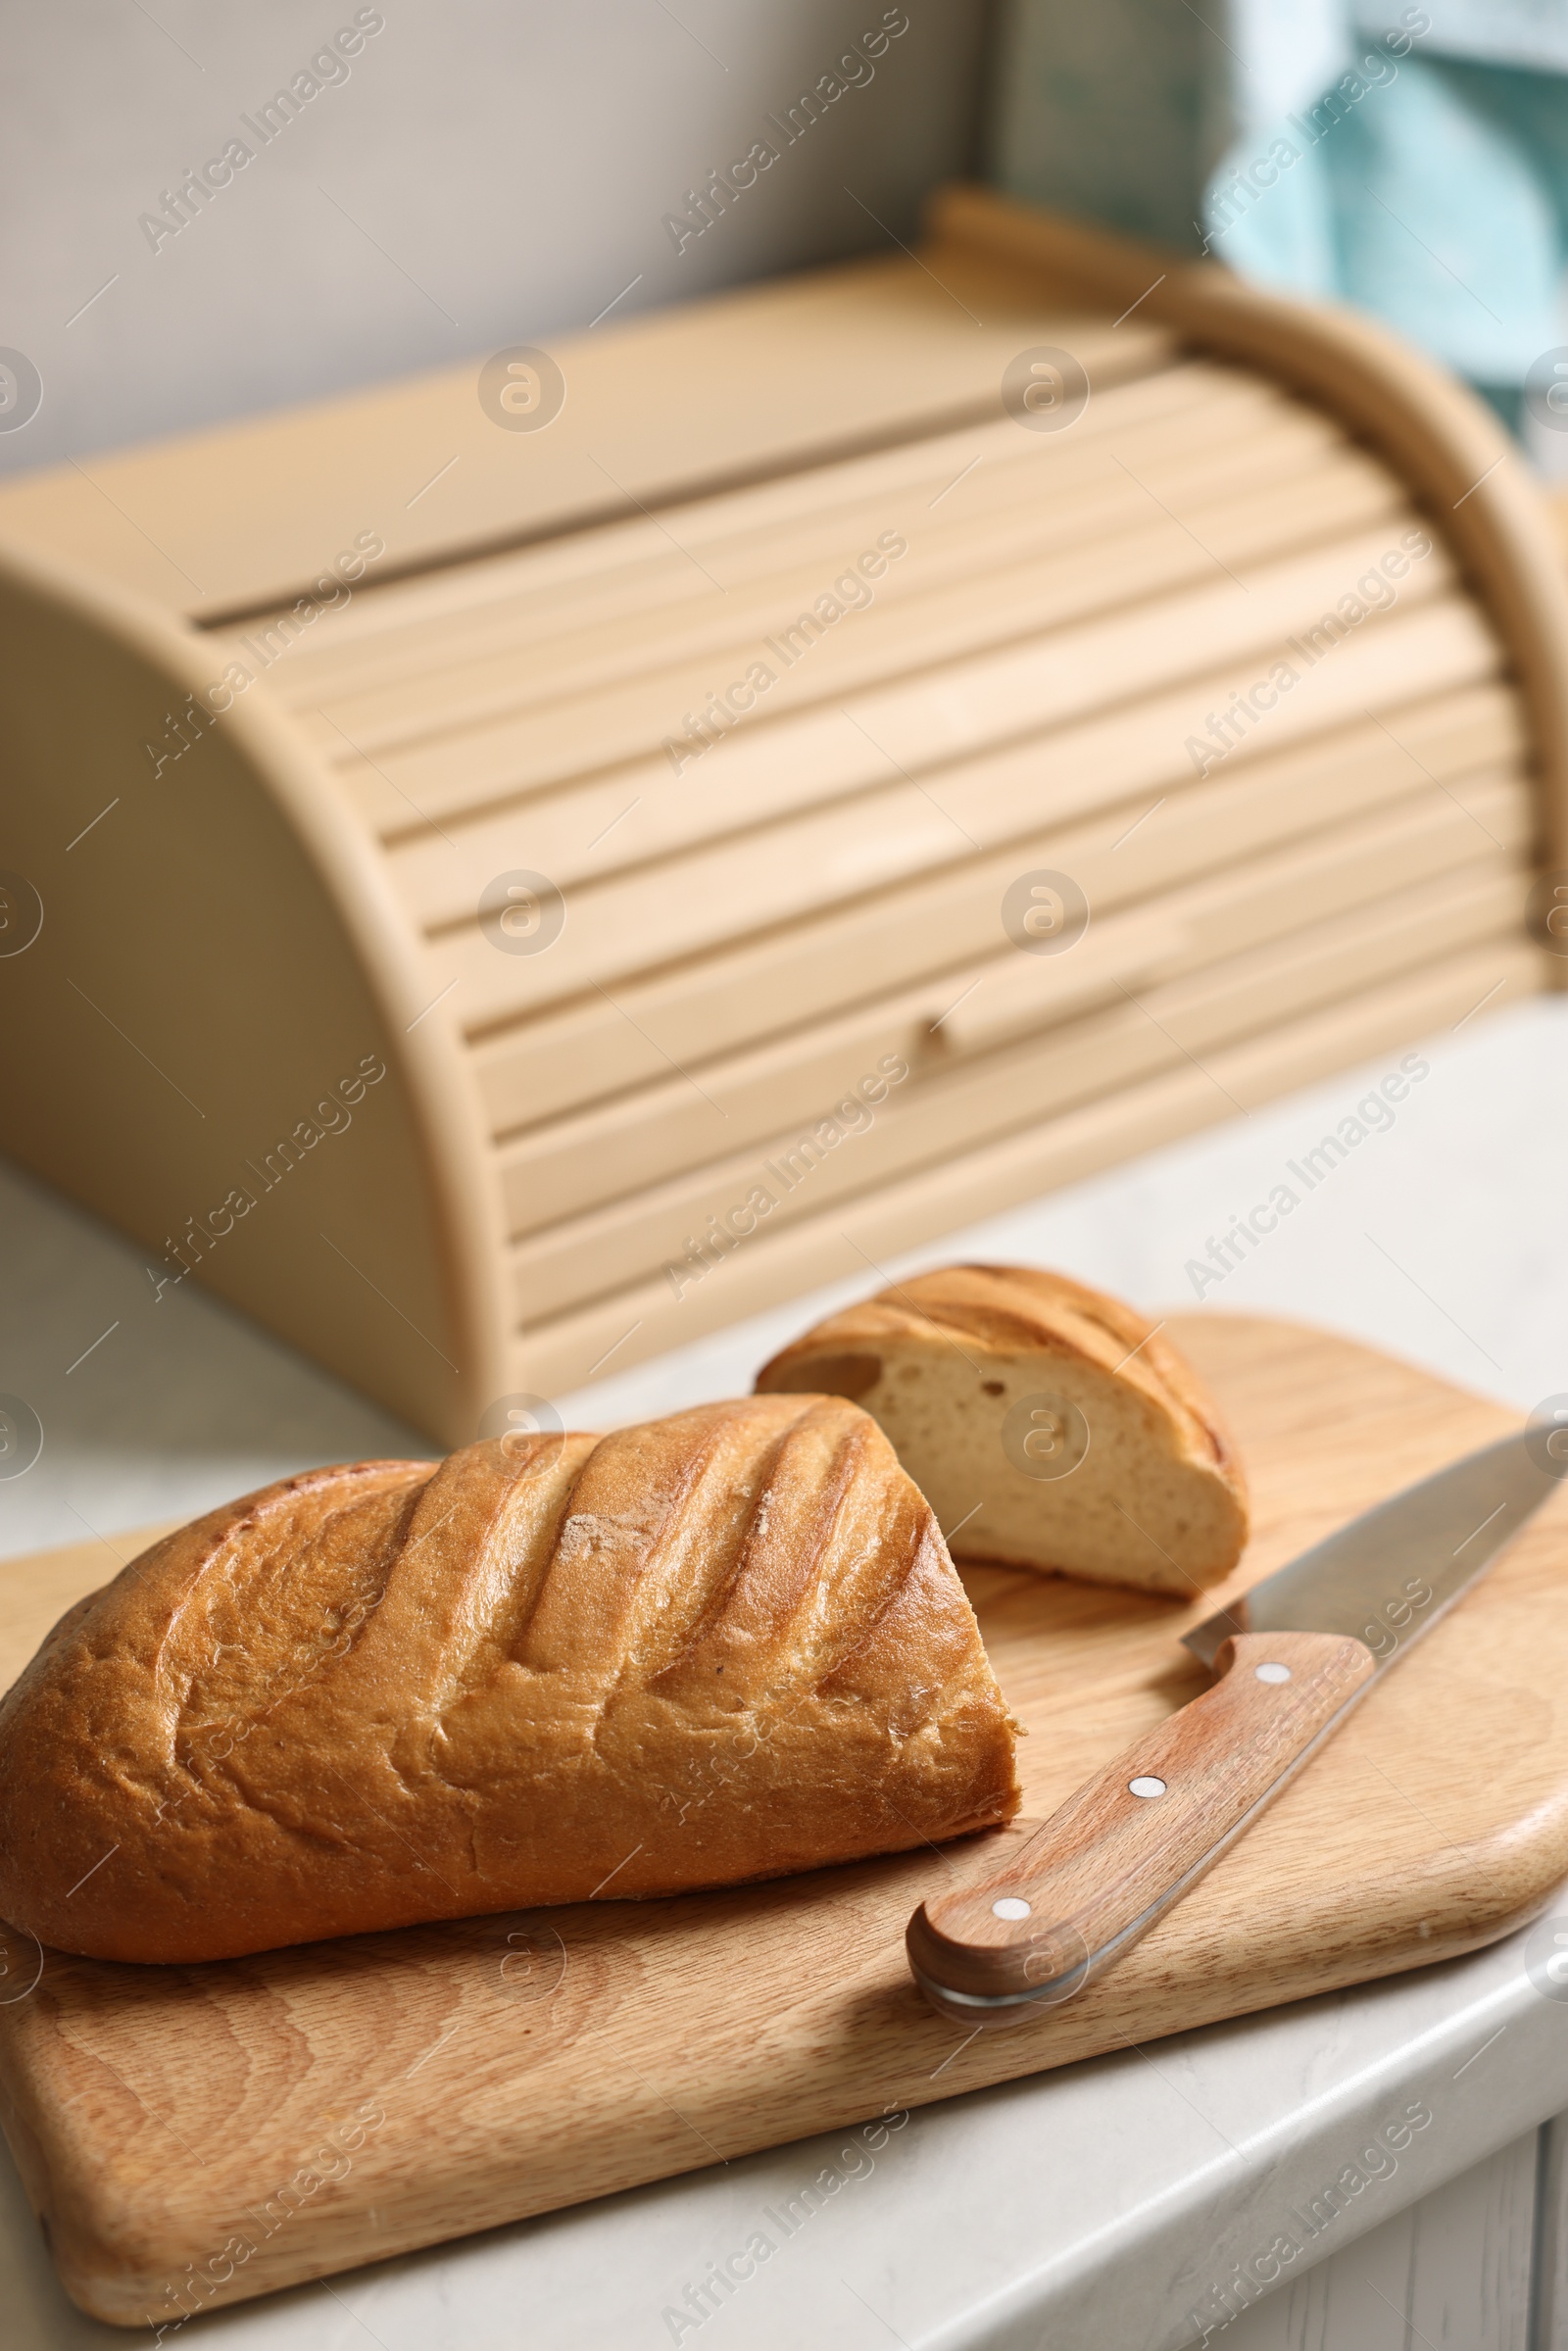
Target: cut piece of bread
[724,1645]
[1048,1424]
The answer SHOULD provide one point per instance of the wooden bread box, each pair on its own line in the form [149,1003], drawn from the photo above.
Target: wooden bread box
[506,872]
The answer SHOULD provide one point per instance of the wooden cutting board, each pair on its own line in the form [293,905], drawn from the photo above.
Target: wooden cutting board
[194,2136]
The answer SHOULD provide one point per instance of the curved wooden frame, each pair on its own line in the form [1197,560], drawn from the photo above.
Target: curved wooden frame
[441,1150]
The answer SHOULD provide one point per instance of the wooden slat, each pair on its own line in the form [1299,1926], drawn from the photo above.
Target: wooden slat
[620,1147]
[1316,879]
[787,978]
[1162,424]
[550,653]
[929,927]
[956,707]
[640,1138]
[852,1237]
[613,1247]
[1459,463]
[632,921]
[441,874]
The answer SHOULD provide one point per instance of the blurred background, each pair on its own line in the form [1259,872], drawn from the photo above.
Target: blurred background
[476,172]
[1414,161]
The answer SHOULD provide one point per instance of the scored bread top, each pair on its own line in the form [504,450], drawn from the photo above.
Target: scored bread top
[722,1645]
[1009,1310]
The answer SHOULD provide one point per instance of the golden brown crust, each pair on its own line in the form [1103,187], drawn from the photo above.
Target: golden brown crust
[1011,1310]
[728,1645]
[967,1332]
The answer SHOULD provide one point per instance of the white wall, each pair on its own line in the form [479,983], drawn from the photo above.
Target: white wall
[503,169]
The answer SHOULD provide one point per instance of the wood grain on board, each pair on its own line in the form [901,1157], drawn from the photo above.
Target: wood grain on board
[194,2136]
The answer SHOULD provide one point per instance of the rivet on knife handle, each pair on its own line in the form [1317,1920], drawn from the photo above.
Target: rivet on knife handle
[1131,1840]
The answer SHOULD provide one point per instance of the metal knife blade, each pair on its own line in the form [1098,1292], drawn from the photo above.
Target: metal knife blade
[1390,1574]
[1293,1657]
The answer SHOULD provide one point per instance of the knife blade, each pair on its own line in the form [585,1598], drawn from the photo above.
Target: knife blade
[1291,1657]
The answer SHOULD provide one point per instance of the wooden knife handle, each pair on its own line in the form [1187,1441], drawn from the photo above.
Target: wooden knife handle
[1131,1840]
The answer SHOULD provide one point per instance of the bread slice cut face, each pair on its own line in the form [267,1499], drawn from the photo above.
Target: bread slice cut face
[720,1646]
[1048,1424]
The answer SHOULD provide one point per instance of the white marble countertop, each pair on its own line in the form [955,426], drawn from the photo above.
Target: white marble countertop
[1102,2204]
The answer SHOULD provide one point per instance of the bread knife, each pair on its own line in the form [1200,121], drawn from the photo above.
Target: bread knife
[1292,1656]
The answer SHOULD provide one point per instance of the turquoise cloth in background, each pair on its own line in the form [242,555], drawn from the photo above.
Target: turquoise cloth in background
[1412,159]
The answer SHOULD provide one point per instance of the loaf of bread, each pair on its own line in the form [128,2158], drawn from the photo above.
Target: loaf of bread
[724,1645]
[1048,1424]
